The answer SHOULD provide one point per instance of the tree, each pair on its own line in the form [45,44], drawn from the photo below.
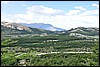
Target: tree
[8,59]
[7,42]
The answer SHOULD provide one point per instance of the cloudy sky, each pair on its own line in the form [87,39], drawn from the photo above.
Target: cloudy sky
[62,14]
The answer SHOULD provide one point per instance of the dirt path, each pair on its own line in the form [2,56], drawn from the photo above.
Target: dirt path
[61,52]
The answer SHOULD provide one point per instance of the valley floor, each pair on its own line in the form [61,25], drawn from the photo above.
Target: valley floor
[49,51]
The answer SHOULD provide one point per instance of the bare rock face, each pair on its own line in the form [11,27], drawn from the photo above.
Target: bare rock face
[15,26]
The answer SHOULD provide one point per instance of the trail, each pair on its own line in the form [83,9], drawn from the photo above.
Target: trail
[61,52]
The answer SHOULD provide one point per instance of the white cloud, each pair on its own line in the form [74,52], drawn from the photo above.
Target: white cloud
[24,5]
[73,12]
[79,7]
[27,17]
[58,18]
[96,5]
[44,10]
[6,17]
[90,12]
[68,22]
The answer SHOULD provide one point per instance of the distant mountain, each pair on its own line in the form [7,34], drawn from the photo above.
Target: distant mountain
[43,26]
[16,28]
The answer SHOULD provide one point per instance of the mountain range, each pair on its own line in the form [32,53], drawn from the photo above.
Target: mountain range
[19,28]
[16,28]
[43,26]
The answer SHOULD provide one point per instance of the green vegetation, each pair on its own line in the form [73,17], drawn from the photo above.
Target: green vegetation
[27,51]
[7,42]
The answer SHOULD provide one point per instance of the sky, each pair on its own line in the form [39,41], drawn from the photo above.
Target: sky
[62,14]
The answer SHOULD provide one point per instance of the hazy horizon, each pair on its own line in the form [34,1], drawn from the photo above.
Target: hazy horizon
[61,14]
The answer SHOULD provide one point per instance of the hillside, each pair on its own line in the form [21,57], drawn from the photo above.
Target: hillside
[91,31]
[15,28]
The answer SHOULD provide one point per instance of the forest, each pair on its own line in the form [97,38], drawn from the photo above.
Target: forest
[50,50]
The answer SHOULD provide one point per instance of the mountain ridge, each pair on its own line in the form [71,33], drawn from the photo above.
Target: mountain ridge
[43,26]
[16,28]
